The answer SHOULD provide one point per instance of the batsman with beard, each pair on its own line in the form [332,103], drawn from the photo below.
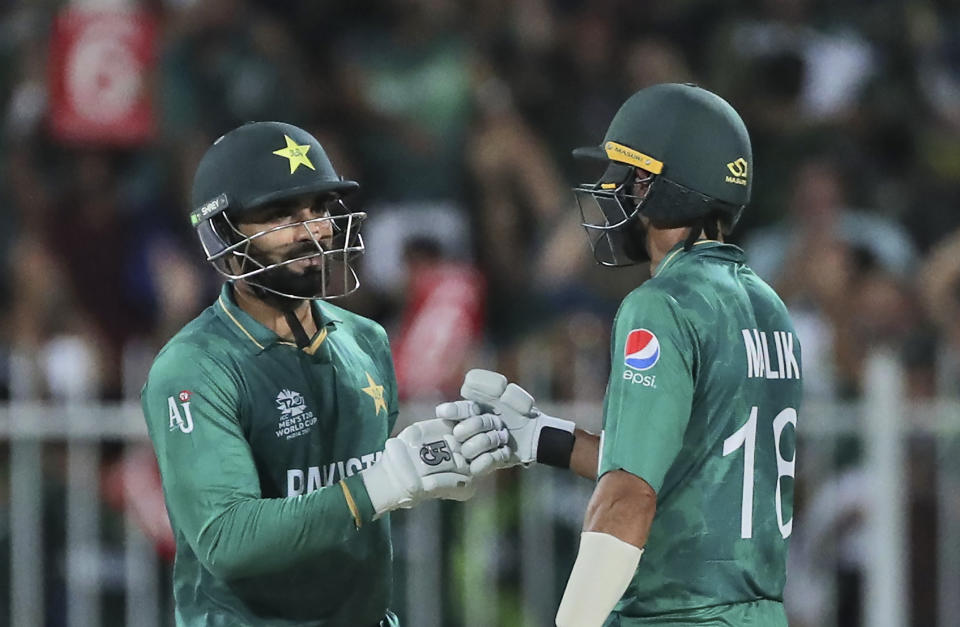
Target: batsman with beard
[270,412]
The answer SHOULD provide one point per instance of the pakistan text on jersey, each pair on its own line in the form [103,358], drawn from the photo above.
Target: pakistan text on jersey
[760,362]
[316,477]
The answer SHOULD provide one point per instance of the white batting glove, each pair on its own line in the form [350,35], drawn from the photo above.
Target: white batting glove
[533,435]
[484,440]
[423,462]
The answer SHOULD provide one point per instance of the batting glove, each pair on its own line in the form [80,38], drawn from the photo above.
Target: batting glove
[423,462]
[492,401]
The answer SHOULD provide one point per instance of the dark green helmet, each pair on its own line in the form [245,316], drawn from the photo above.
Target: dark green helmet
[695,151]
[262,163]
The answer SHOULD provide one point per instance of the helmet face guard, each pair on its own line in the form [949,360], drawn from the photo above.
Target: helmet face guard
[330,273]
[609,211]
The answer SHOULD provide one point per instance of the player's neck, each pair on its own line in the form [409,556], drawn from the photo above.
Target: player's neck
[271,317]
[661,241]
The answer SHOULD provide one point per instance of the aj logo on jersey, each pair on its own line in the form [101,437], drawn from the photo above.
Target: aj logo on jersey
[641,352]
[183,421]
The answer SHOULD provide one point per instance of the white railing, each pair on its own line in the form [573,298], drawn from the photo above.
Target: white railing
[458,552]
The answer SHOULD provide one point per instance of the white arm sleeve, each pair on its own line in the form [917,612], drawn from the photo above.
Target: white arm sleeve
[603,570]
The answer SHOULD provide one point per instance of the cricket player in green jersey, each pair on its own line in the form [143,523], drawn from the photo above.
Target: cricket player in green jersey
[270,413]
[695,463]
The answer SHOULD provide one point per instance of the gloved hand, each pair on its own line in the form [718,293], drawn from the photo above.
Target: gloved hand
[423,462]
[492,401]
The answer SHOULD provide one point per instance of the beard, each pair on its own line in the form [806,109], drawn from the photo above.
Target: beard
[297,284]
[311,282]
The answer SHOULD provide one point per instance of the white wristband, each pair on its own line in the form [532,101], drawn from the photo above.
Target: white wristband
[603,570]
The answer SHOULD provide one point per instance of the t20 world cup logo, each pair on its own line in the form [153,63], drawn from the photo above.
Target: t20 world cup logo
[290,403]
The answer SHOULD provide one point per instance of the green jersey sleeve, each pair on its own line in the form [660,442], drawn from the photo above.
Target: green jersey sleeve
[393,402]
[191,402]
[649,395]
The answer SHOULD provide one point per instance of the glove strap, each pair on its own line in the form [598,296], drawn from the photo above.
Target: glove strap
[555,441]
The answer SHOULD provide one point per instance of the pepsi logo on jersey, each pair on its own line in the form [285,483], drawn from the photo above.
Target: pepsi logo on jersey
[642,350]
[637,378]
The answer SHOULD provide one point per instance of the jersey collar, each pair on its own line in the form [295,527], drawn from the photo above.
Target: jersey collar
[701,248]
[257,335]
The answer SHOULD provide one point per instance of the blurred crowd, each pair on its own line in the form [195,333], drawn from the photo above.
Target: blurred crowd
[458,117]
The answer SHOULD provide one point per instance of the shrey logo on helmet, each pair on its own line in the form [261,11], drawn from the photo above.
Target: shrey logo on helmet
[642,350]
[208,208]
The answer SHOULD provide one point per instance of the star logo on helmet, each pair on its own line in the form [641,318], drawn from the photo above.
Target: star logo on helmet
[295,154]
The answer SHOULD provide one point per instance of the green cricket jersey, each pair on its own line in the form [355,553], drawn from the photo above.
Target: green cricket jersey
[259,445]
[702,404]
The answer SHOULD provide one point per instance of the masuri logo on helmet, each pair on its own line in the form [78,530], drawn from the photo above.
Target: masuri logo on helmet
[738,169]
